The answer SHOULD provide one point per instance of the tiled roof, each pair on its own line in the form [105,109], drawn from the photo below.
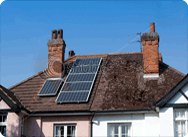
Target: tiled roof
[123,86]
[119,85]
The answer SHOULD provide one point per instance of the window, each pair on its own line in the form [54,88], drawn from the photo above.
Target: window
[181,122]
[3,123]
[119,130]
[65,131]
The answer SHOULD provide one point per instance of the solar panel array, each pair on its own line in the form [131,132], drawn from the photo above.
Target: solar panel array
[50,87]
[79,82]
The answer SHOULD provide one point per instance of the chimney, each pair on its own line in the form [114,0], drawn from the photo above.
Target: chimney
[160,57]
[56,51]
[54,34]
[60,34]
[150,42]
[152,27]
[71,53]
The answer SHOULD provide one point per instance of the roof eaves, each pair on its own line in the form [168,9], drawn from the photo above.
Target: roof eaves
[142,110]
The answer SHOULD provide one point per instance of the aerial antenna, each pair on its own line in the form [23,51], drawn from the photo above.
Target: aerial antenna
[137,40]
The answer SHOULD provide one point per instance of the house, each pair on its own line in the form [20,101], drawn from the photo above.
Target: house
[121,94]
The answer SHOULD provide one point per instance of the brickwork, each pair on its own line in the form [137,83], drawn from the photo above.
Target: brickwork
[150,43]
[56,51]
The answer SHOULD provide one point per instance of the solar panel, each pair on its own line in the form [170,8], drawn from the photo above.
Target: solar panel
[84,69]
[79,82]
[76,86]
[78,77]
[77,96]
[90,61]
[50,87]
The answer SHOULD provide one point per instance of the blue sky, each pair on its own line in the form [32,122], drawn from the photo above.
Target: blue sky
[89,27]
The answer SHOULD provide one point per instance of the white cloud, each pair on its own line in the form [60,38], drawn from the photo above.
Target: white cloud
[1,1]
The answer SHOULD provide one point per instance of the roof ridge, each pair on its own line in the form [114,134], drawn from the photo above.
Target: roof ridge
[107,54]
[173,69]
[124,53]
[102,54]
[70,58]
[91,54]
[24,80]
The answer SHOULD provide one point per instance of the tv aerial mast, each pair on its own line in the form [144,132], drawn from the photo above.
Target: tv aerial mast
[137,40]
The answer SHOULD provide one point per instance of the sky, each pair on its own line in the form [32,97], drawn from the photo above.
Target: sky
[89,27]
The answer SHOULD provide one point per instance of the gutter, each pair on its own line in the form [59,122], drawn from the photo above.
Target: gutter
[135,111]
[108,112]
[61,114]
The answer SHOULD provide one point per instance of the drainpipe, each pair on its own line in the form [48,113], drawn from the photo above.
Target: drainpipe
[92,124]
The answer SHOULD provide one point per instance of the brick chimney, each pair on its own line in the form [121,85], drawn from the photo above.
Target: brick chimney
[160,57]
[56,51]
[150,42]
[71,53]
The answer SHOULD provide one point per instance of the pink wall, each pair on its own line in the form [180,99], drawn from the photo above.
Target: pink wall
[32,126]
[13,121]
[46,123]
[3,105]
[43,126]
[14,124]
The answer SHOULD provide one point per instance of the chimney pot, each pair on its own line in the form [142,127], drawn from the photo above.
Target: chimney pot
[54,34]
[60,34]
[160,57]
[71,53]
[152,27]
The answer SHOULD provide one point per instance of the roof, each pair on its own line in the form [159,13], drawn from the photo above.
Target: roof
[119,85]
[173,92]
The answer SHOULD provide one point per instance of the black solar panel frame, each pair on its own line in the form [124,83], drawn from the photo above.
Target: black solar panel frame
[89,91]
[53,94]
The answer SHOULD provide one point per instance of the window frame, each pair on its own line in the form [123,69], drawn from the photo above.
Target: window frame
[65,125]
[119,128]
[4,123]
[185,119]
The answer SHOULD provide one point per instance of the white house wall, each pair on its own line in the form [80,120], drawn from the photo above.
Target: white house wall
[141,124]
[166,114]
[152,124]
[166,122]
